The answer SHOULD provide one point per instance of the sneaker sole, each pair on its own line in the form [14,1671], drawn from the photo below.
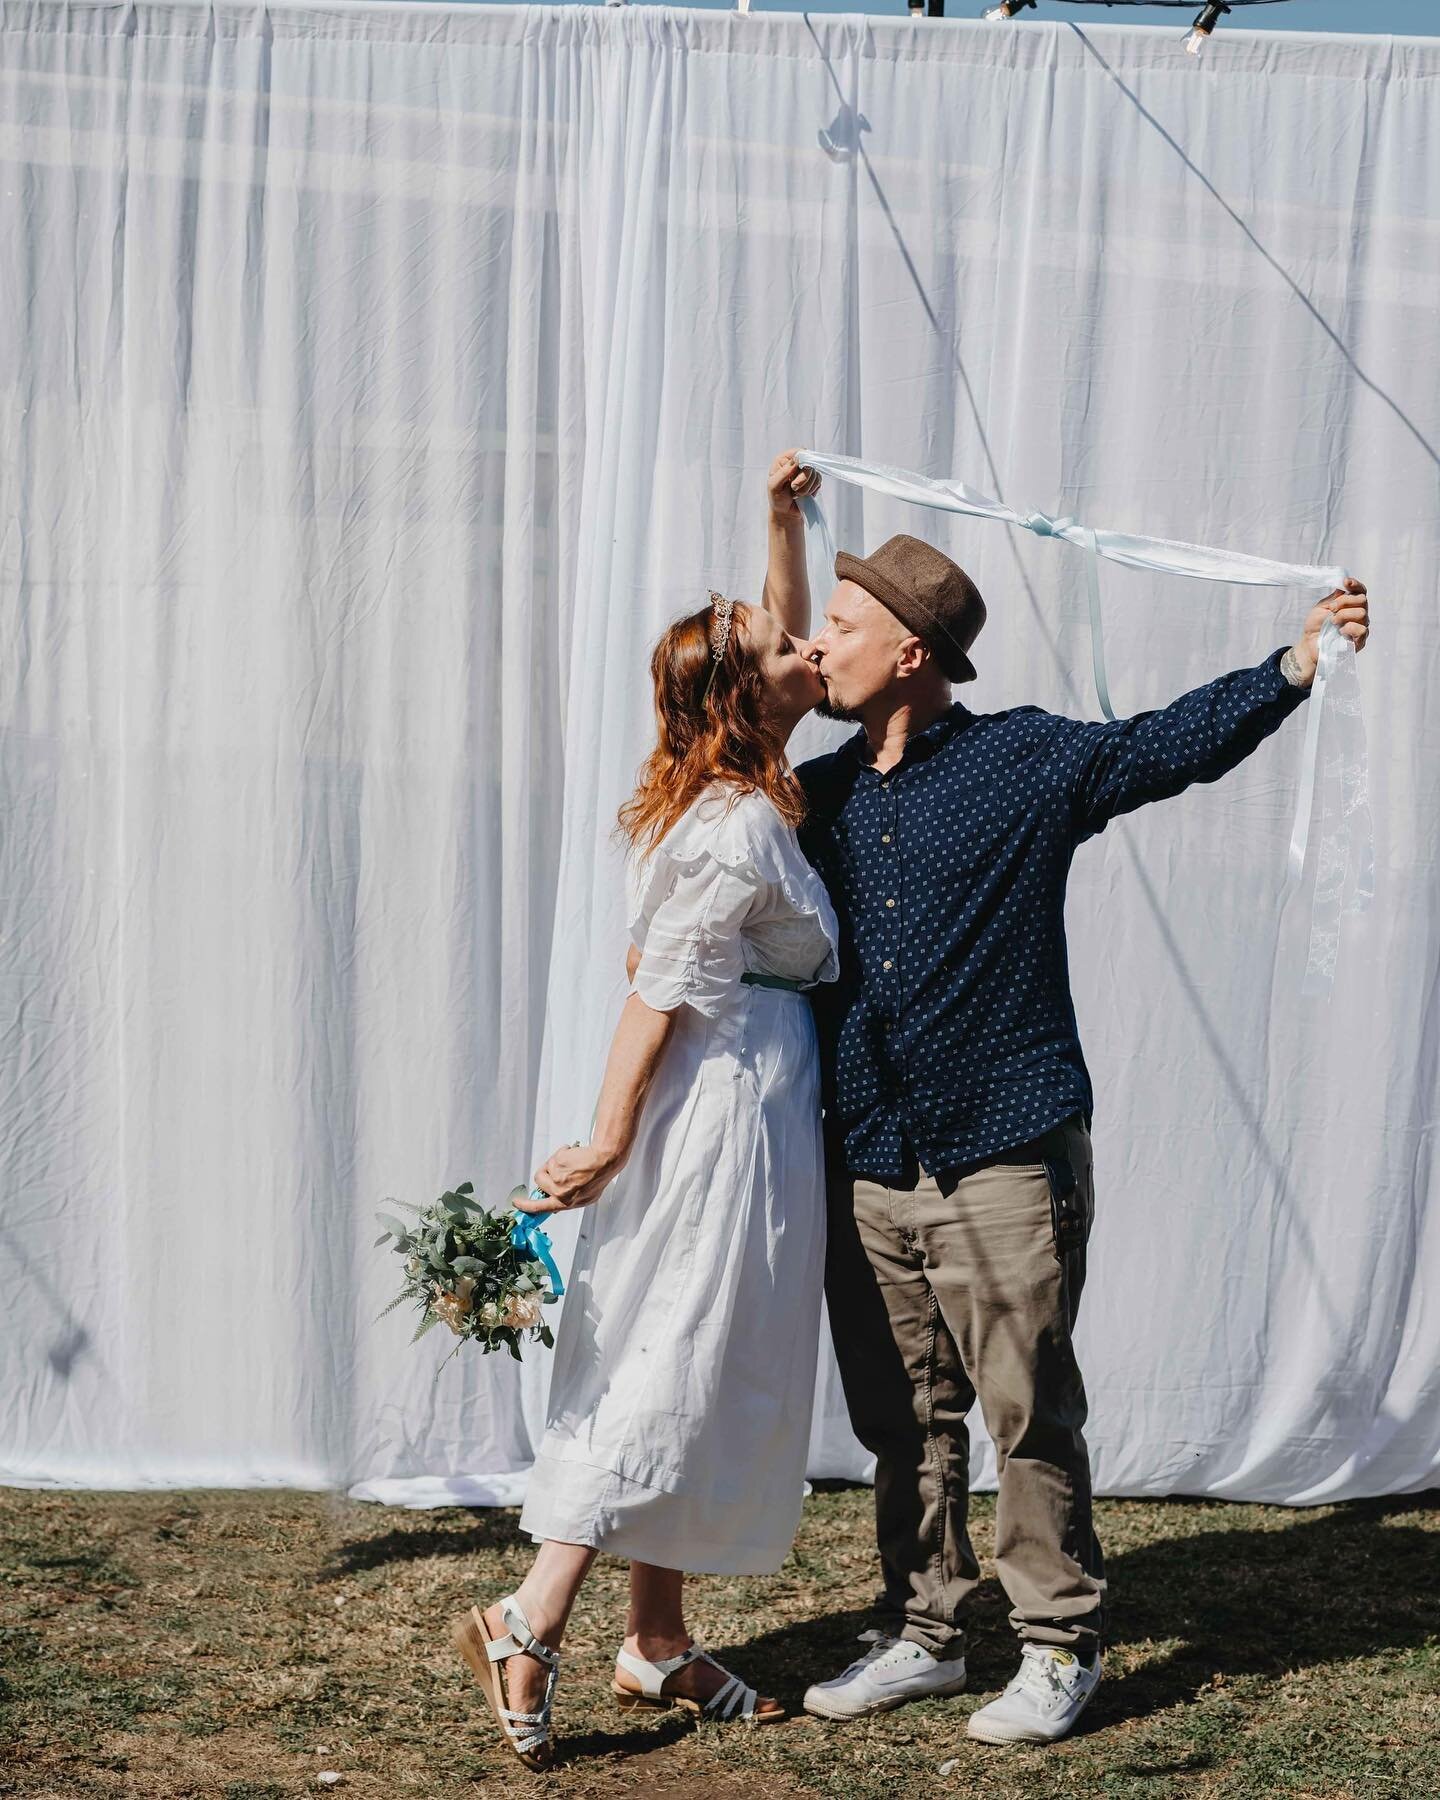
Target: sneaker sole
[997,1731]
[1009,1734]
[830,1709]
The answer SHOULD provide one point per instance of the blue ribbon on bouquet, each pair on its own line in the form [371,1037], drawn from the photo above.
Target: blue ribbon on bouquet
[1345,854]
[529,1235]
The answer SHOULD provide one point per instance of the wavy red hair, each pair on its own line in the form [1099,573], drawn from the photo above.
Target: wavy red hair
[722,735]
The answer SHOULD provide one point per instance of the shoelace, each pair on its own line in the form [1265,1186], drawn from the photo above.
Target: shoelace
[882,1643]
[1038,1671]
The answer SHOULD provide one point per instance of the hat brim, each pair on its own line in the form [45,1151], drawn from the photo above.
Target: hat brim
[894,599]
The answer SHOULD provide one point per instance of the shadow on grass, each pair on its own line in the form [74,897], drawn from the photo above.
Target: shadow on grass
[664,1730]
[1354,1583]
[1220,1603]
[1226,1603]
[490,1529]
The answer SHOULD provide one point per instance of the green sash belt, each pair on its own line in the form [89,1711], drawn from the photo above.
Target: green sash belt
[753,978]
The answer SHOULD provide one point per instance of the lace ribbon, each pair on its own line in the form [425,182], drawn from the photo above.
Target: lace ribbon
[1344,859]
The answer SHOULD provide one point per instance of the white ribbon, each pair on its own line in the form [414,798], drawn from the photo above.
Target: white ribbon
[1344,860]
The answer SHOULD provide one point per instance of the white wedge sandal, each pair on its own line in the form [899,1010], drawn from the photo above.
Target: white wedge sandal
[527,1734]
[732,1701]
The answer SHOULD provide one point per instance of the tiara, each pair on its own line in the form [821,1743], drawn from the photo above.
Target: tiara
[719,635]
[720,630]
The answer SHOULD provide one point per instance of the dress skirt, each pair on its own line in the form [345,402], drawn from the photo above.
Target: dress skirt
[685,1357]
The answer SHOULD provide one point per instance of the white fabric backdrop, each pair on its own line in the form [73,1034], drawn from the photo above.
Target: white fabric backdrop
[376,381]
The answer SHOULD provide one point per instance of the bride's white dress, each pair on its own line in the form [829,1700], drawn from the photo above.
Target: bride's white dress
[684,1364]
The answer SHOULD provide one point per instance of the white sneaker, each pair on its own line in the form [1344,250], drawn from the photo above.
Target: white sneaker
[892,1671]
[1044,1700]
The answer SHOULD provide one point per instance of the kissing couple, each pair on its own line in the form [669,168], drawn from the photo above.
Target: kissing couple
[848,1063]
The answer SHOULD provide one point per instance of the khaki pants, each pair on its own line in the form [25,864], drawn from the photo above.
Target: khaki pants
[936,1298]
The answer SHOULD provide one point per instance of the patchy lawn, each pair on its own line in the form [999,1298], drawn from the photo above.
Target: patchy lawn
[234,1645]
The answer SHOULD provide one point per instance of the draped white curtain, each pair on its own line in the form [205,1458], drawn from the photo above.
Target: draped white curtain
[377,380]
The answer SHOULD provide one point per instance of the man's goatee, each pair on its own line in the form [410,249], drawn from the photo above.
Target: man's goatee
[831,709]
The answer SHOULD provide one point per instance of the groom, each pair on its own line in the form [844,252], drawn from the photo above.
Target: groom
[957,1101]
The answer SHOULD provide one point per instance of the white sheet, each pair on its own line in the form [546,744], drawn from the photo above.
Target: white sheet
[375,382]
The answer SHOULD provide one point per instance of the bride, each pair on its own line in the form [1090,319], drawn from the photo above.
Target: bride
[680,1398]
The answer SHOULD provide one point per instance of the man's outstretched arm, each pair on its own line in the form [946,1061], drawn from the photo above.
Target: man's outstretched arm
[1117,766]
[787,586]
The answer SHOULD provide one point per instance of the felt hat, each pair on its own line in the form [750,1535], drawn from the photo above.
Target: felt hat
[926,591]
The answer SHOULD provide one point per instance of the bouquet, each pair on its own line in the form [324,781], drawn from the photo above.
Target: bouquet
[481,1273]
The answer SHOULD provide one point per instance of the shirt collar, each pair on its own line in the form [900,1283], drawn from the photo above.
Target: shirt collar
[919,744]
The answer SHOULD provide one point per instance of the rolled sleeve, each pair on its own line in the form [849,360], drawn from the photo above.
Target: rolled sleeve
[1123,764]
[691,952]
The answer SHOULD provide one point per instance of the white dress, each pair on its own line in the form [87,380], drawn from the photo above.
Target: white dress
[684,1364]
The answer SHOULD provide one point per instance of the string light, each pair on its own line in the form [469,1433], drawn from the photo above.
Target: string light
[1204,25]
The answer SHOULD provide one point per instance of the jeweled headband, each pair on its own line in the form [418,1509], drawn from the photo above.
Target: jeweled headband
[719,636]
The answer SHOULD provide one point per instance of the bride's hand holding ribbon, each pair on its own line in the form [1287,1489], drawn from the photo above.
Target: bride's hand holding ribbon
[575,1175]
[788,484]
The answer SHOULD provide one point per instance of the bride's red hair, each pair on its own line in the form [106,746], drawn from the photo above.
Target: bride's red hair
[722,735]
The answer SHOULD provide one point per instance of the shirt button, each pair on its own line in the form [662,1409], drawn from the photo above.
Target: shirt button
[884,837]
[889,902]
[887,964]
[884,784]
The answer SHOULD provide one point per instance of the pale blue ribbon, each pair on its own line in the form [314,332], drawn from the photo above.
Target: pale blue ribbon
[529,1235]
[1347,841]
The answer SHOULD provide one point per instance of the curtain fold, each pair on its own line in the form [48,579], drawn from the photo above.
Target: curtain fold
[377,380]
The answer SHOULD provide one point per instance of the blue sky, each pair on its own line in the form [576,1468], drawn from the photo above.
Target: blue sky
[1405,18]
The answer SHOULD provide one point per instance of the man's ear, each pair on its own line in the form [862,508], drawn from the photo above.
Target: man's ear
[911,657]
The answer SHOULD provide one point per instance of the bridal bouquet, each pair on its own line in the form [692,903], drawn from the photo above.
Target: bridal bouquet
[481,1273]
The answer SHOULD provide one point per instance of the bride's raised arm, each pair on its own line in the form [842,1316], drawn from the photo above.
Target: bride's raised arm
[787,587]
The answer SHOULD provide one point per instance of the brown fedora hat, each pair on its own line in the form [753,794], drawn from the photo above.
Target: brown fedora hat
[927,592]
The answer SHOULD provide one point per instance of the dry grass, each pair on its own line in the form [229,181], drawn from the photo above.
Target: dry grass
[232,1645]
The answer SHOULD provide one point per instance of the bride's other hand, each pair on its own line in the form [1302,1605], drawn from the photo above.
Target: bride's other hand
[576,1174]
[787,483]
[572,1176]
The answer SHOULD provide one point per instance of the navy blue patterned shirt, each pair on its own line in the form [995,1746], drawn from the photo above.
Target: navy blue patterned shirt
[951,1033]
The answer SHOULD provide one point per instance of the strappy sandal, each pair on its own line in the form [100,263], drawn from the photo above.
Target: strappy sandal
[532,1742]
[733,1701]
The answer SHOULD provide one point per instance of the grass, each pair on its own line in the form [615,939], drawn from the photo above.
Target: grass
[232,1645]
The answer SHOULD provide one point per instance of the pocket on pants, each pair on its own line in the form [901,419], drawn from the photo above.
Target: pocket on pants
[1071,1212]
